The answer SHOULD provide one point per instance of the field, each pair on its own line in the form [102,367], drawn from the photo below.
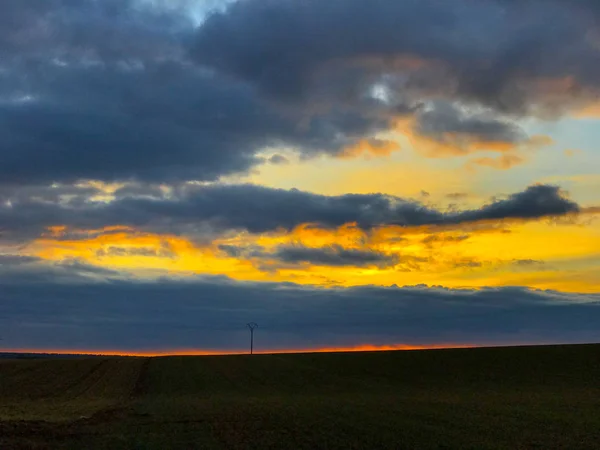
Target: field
[527,397]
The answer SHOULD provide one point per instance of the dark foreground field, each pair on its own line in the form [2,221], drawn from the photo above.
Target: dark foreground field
[536,397]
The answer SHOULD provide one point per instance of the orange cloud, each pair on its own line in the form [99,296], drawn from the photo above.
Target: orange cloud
[504,162]
[474,254]
[201,352]
[590,111]
[373,147]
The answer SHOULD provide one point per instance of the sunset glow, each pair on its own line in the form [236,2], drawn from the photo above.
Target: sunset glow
[423,176]
[198,352]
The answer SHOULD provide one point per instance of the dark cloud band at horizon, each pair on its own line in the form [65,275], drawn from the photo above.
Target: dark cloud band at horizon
[211,314]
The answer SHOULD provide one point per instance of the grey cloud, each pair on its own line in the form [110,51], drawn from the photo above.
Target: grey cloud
[457,195]
[11,260]
[530,264]
[211,313]
[113,124]
[435,239]
[167,121]
[19,269]
[297,255]
[527,262]
[108,91]
[278,159]
[233,251]
[335,255]
[444,119]
[482,51]
[190,209]
[163,252]
[107,31]
[53,194]
[137,190]
[468,264]
[535,201]
[246,251]
[104,91]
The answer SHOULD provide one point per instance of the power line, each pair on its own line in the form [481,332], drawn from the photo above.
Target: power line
[252,326]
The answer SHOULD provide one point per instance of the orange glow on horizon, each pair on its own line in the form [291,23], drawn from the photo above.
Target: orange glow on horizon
[200,352]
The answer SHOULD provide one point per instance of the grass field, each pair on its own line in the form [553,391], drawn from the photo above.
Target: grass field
[528,397]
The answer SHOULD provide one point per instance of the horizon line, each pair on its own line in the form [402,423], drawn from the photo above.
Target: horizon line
[204,352]
[208,352]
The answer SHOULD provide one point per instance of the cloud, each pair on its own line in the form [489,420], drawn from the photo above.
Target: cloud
[527,262]
[179,314]
[536,201]
[10,260]
[288,256]
[460,75]
[107,31]
[434,239]
[124,117]
[335,255]
[100,90]
[195,210]
[503,162]
[451,125]
[486,52]
[278,159]
[29,269]
[115,124]
[443,130]
[163,252]
[371,147]
[246,251]
[106,91]
[458,195]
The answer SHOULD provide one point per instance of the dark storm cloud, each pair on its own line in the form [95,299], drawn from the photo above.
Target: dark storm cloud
[107,30]
[481,50]
[193,209]
[104,90]
[211,313]
[129,90]
[160,122]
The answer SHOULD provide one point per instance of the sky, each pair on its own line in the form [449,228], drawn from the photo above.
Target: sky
[347,174]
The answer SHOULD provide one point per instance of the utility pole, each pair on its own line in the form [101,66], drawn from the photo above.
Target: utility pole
[252,326]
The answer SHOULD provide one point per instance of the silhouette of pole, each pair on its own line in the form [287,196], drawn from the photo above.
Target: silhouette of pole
[252,326]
